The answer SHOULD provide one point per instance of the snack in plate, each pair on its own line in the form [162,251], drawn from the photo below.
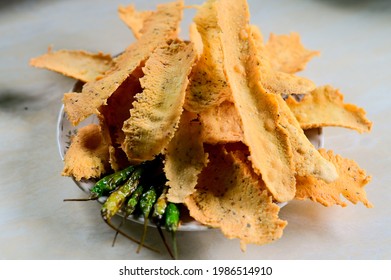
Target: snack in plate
[215,128]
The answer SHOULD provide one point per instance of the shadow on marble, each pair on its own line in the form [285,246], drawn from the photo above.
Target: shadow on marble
[11,101]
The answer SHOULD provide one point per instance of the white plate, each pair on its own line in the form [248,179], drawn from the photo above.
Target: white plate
[65,130]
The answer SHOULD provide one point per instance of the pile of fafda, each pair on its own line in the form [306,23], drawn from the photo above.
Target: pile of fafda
[218,121]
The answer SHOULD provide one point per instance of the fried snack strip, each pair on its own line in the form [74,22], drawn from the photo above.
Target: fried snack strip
[88,154]
[208,86]
[80,65]
[230,196]
[257,34]
[274,81]
[195,38]
[221,124]
[325,107]
[134,19]
[112,116]
[350,184]
[184,158]
[287,54]
[271,154]
[157,29]
[306,159]
[155,114]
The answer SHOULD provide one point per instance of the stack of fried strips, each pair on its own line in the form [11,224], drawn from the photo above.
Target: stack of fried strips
[225,109]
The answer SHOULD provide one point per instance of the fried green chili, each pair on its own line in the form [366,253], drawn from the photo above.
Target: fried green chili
[160,206]
[130,206]
[147,201]
[107,184]
[172,214]
[117,199]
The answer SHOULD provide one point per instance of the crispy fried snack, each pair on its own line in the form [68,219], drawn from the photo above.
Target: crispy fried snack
[113,115]
[276,81]
[157,29]
[350,184]
[134,19]
[325,107]
[221,124]
[230,196]
[225,113]
[156,112]
[270,149]
[208,86]
[196,39]
[306,159]
[185,158]
[88,155]
[80,65]
[287,54]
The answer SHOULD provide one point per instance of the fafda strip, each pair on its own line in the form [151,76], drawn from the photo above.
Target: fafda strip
[267,140]
[158,29]
[156,112]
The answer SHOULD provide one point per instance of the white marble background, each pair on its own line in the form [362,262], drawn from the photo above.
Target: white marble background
[355,40]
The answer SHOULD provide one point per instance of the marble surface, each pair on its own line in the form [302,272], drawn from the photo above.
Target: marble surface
[35,223]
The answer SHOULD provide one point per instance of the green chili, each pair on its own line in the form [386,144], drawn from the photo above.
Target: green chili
[117,198]
[172,214]
[107,184]
[160,206]
[130,206]
[147,201]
